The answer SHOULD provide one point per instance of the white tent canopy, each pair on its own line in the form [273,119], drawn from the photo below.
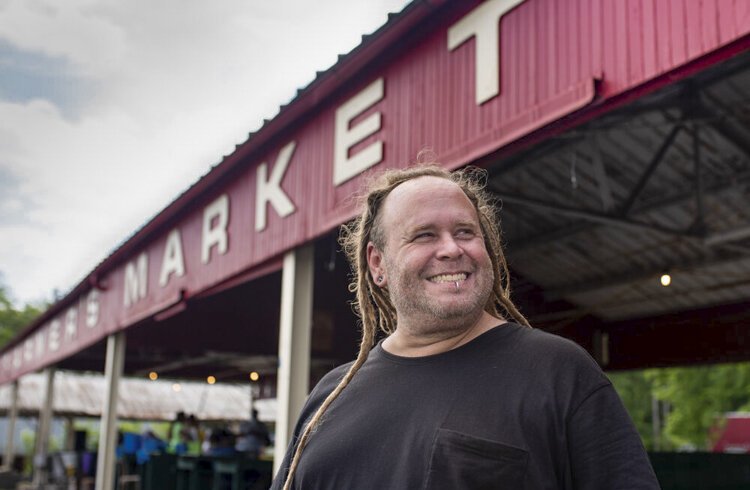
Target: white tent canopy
[83,395]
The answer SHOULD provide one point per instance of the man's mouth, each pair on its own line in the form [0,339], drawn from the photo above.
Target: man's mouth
[461,276]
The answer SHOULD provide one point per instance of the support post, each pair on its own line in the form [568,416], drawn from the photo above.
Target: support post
[70,434]
[12,416]
[105,463]
[41,445]
[295,325]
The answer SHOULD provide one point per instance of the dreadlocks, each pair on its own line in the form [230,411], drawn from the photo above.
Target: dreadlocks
[373,304]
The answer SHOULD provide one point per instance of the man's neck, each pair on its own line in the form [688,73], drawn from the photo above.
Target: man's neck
[408,342]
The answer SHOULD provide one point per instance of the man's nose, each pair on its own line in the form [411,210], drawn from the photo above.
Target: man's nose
[448,247]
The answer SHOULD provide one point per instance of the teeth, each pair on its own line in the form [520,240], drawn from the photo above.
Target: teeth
[448,277]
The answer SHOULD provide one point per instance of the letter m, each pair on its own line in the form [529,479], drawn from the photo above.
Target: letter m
[136,275]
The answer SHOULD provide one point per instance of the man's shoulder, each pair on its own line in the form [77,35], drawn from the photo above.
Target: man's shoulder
[547,354]
[550,344]
[329,382]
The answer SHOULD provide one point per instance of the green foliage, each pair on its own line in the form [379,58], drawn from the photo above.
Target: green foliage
[697,397]
[12,319]
[635,390]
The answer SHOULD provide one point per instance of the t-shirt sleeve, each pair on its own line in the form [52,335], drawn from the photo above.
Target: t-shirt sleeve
[605,448]
[316,398]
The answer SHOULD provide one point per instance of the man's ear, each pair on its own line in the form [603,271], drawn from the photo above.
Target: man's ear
[376,265]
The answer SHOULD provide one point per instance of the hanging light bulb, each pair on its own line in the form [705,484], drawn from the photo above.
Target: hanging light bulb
[666,279]
[153,376]
[177,387]
[254,376]
[211,380]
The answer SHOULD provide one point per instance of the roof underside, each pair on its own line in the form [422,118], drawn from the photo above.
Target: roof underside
[596,215]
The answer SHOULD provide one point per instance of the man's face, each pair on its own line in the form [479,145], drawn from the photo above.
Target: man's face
[434,263]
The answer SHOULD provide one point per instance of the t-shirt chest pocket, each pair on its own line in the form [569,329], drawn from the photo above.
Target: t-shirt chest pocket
[461,461]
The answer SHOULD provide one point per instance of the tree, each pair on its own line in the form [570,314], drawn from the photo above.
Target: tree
[698,399]
[636,391]
[12,319]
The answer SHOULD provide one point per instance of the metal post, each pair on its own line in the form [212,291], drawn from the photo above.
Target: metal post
[41,446]
[105,463]
[294,344]
[12,416]
[656,423]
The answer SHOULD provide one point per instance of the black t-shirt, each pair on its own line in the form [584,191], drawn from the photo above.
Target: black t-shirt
[515,408]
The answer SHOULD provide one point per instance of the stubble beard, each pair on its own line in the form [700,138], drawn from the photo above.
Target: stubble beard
[425,314]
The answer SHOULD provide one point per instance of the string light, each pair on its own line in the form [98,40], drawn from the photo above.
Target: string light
[666,279]
[153,376]
[211,380]
[254,376]
[177,387]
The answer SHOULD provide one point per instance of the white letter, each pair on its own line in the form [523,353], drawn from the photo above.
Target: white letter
[344,167]
[269,190]
[53,338]
[136,276]
[484,23]
[173,262]
[215,234]
[92,308]
[71,324]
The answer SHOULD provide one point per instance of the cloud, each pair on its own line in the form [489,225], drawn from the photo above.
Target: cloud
[117,107]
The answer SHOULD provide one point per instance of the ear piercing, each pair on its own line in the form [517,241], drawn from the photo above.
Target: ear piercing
[379,279]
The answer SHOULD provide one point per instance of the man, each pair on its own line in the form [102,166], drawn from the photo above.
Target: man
[456,396]
[253,436]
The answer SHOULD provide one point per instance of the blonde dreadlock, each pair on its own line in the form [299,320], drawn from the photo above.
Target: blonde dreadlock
[372,303]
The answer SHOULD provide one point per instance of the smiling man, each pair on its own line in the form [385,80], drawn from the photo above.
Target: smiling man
[455,396]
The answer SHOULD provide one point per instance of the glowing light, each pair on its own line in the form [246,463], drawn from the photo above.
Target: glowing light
[153,376]
[177,387]
[211,380]
[666,280]
[254,376]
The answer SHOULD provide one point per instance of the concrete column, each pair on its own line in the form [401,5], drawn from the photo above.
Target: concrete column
[295,325]
[12,416]
[41,444]
[105,462]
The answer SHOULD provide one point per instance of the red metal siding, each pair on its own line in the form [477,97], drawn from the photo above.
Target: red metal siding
[551,51]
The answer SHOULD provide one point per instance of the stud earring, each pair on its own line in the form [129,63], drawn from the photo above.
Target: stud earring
[379,279]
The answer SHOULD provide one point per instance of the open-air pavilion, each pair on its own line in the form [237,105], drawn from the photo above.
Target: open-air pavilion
[615,135]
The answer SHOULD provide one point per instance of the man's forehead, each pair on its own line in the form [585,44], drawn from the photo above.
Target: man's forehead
[421,186]
[404,203]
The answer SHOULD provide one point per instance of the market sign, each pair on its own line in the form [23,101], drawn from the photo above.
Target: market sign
[486,74]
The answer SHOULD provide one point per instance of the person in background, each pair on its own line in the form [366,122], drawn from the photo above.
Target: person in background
[176,435]
[253,437]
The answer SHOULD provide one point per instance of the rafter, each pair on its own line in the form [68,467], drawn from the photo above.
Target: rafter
[649,171]
[587,215]
[570,230]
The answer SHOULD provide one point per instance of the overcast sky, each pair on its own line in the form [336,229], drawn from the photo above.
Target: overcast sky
[109,109]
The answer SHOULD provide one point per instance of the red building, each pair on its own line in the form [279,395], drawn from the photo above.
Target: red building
[614,133]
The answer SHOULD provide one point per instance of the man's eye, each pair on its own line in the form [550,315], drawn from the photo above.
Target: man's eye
[465,233]
[425,235]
